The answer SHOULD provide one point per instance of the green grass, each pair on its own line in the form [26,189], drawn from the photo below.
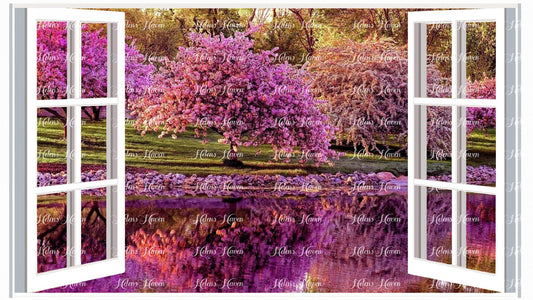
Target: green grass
[481,150]
[485,145]
[178,155]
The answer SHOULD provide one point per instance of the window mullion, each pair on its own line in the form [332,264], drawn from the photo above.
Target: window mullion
[510,192]
[458,155]
[74,144]
[419,142]
[422,136]
[112,139]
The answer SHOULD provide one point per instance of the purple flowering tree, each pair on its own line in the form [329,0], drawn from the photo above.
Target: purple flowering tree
[52,67]
[481,118]
[220,84]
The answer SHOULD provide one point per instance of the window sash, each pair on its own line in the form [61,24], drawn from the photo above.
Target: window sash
[115,182]
[463,187]
[417,140]
[77,102]
[70,187]
[456,102]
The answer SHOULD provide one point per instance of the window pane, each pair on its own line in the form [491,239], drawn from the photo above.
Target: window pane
[93,143]
[94,60]
[439,66]
[439,145]
[51,232]
[481,232]
[51,146]
[439,225]
[481,146]
[93,230]
[52,60]
[481,60]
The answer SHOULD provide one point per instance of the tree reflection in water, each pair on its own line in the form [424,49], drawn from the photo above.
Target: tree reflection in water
[330,243]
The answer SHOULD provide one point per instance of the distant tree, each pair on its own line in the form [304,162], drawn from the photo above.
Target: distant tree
[481,50]
[365,88]
[361,24]
[157,33]
[295,32]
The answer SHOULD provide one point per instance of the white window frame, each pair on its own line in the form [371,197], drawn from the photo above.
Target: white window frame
[17,131]
[503,278]
[27,278]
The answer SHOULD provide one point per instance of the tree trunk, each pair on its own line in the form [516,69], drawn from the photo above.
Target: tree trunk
[93,112]
[64,121]
[233,151]
[96,112]
[232,160]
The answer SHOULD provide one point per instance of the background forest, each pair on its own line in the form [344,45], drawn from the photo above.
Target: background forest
[350,64]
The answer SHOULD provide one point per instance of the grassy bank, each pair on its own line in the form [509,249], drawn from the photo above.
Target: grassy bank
[188,155]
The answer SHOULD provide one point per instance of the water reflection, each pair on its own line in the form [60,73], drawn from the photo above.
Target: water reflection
[266,244]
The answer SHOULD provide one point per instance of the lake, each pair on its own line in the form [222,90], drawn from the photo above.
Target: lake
[328,243]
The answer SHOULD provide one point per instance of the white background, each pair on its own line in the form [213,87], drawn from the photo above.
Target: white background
[526,155]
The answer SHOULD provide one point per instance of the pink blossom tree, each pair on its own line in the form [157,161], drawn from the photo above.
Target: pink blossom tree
[439,118]
[220,84]
[365,89]
[52,67]
[481,118]
[364,85]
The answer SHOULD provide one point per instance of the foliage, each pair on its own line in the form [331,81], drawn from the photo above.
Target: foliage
[361,24]
[481,50]
[374,69]
[219,83]
[52,63]
[365,85]
[299,32]
[160,32]
[294,31]
[481,118]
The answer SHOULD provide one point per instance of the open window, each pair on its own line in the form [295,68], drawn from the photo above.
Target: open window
[56,247]
[457,237]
